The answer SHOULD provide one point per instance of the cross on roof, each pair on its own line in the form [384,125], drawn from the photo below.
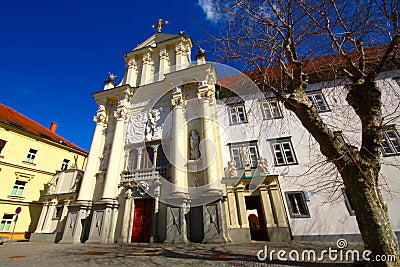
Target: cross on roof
[160,24]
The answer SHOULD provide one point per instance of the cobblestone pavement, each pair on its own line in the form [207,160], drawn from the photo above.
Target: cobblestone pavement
[140,254]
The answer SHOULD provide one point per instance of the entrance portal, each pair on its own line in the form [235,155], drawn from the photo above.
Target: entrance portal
[255,214]
[142,220]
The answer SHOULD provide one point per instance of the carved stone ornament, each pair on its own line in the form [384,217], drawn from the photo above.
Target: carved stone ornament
[52,184]
[176,101]
[120,114]
[231,170]
[132,64]
[100,117]
[164,54]
[263,166]
[244,153]
[144,125]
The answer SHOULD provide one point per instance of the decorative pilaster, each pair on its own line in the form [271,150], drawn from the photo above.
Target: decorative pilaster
[242,206]
[42,218]
[132,71]
[233,214]
[277,201]
[124,238]
[267,207]
[147,68]
[182,54]
[164,63]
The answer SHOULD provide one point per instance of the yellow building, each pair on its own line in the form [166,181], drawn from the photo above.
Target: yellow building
[30,156]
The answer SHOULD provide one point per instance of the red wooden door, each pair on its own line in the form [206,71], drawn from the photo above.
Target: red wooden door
[142,220]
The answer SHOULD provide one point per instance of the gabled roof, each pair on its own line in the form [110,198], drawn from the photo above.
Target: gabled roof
[19,121]
[156,39]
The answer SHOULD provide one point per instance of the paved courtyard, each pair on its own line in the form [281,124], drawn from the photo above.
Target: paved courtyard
[48,254]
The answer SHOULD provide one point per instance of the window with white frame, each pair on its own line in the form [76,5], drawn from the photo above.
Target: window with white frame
[283,152]
[348,203]
[251,151]
[271,109]
[6,221]
[64,164]
[297,204]
[18,188]
[31,155]
[390,142]
[237,114]
[58,212]
[2,145]
[318,100]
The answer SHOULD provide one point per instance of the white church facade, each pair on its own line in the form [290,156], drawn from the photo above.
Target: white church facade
[174,159]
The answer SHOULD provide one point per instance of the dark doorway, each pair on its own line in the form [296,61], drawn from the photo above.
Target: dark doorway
[258,229]
[196,231]
[142,220]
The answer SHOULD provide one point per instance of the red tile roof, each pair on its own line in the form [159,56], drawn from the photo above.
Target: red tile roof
[17,120]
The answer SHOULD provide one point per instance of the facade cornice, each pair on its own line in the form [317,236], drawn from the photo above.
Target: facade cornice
[26,168]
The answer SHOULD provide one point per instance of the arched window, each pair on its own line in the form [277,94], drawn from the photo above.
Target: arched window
[147,157]
[162,160]
[133,160]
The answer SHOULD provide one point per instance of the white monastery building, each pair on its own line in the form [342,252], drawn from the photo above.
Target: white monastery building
[176,157]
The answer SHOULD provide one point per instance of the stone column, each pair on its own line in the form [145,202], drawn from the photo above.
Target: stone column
[92,165]
[232,208]
[281,219]
[42,218]
[124,238]
[179,140]
[208,149]
[113,168]
[131,74]
[267,207]
[155,152]
[244,222]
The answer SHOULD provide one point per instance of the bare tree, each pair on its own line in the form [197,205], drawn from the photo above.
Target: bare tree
[286,44]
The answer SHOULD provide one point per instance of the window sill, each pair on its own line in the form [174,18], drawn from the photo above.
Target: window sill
[283,165]
[270,119]
[391,155]
[299,216]
[16,197]
[28,163]
[232,124]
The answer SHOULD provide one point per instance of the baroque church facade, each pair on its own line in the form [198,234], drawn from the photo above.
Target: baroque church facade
[174,160]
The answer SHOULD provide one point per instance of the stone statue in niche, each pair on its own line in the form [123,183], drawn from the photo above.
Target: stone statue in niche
[231,170]
[194,140]
[263,165]
[244,153]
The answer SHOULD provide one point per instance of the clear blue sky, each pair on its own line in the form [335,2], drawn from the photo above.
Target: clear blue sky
[54,54]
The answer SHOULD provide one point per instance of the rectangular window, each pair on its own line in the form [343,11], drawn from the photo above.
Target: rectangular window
[251,151]
[283,152]
[348,203]
[31,155]
[318,100]
[58,211]
[6,222]
[2,145]
[297,204]
[390,142]
[18,188]
[271,109]
[64,164]
[237,114]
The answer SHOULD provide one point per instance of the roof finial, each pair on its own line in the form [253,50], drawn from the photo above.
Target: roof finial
[160,24]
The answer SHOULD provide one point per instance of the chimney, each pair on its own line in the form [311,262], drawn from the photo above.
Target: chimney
[53,127]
